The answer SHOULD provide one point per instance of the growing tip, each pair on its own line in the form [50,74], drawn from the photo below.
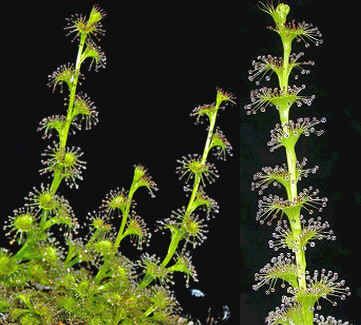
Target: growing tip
[282,11]
[278,13]
[96,14]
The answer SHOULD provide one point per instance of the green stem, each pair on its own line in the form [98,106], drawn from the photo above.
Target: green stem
[147,280]
[177,237]
[150,310]
[74,85]
[284,115]
[121,231]
[287,47]
[69,117]
[44,216]
[21,253]
[207,145]
[102,272]
[295,221]
[197,180]
[292,170]
[63,136]
[172,248]
[292,192]
[72,262]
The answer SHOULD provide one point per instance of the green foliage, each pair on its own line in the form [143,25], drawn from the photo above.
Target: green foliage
[88,280]
[294,230]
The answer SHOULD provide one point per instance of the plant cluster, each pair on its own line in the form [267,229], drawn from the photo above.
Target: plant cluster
[298,225]
[58,275]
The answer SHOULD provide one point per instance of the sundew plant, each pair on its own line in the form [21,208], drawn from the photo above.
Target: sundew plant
[298,224]
[67,270]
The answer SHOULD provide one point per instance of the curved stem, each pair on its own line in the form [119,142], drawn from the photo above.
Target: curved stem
[21,253]
[102,272]
[172,248]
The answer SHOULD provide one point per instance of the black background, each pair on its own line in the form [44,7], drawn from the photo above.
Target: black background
[334,81]
[164,59]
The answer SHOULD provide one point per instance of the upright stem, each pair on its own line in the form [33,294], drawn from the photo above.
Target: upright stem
[177,237]
[197,178]
[120,234]
[294,218]
[63,136]
[292,193]
[287,47]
